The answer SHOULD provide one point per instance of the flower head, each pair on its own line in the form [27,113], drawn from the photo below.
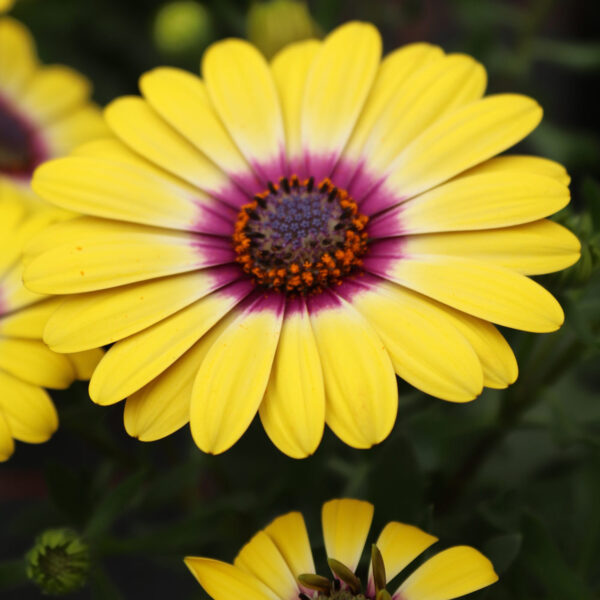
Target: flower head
[45,111]
[277,563]
[284,237]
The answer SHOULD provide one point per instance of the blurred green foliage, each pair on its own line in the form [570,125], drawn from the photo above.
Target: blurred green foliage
[515,473]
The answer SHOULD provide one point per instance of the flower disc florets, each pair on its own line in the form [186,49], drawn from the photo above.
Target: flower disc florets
[298,237]
[20,149]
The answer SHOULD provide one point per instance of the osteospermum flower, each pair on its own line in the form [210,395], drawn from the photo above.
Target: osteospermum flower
[27,365]
[283,237]
[45,111]
[277,563]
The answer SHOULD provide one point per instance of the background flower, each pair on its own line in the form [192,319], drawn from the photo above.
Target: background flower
[45,111]
[27,365]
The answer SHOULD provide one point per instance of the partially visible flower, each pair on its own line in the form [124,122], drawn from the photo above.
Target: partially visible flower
[183,26]
[44,110]
[27,365]
[274,24]
[59,562]
[277,563]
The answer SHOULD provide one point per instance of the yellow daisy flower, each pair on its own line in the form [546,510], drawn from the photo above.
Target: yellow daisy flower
[45,111]
[283,238]
[277,563]
[27,365]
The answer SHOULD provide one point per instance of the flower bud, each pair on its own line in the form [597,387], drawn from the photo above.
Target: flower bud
[182,27]
[276,23]
[59,562]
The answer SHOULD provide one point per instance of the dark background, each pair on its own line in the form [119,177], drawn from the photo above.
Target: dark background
[515,473]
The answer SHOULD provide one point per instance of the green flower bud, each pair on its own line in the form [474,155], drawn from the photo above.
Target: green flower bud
[274,24]
[59,562]
[182,27]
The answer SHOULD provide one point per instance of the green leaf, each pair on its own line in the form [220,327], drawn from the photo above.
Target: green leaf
[114,504]
[502,550]
[590,189]
[582,56]
[102,586]
[543,559]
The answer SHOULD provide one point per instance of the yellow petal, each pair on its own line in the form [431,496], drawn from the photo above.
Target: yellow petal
[124,192]
[96,255]
[462,139]
[135,122]
[28,323]
[399,545]
[291,538]
[163,406]
[360,385]
[293,410]
[480,289]
[33,362]
[243,93]
[17,56]
[84,363]
[261,558]
[346,524]
[431,92]
[395,69]
[181,99]
[114,150]
[532,249]
[489,200]
[290,68]
[100,318]
[226,582]
[426,349]
[110,148]
[15,296]
[450,574]
[7,445]
[338,84]
[28,410]
[232,379]
[12,220]
[496,356]
[134,361]
[528,164]
[53,91]
[79,126]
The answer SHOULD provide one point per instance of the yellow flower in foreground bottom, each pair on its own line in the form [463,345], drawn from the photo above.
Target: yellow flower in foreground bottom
[277,563]
[281,238]
[45,111]
[26,364]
